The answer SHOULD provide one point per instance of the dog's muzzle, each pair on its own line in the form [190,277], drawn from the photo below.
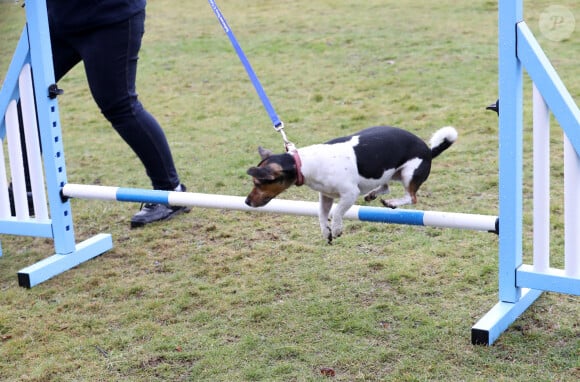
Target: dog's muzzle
[252,203]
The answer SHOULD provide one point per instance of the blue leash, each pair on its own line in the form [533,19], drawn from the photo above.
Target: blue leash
[278,124]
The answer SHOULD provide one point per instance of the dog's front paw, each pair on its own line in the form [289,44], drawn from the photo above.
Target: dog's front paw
[327,234]
[337,231]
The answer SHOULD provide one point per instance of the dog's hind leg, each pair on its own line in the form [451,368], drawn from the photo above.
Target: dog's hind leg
[409,198]
[394,203]
[413,174]
[323,216]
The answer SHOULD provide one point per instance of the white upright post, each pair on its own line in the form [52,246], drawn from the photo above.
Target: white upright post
[571,210]
[16,161]
[32,143]
[541,178]
[4,201]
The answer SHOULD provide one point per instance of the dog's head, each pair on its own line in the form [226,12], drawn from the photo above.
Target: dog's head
[273,175]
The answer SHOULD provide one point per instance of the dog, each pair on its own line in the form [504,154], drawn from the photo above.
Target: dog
[343,168]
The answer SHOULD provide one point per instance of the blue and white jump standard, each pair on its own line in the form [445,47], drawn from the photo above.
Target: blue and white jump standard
[520,284]
[52,216]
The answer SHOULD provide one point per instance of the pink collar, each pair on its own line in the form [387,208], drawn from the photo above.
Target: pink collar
[298,162]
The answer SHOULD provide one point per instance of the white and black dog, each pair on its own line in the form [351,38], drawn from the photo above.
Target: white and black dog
[359,164]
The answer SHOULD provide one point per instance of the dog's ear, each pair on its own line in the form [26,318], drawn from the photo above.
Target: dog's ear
[263,173]
[264,153]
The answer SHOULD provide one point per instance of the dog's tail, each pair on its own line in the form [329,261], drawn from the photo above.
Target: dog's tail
[442,140]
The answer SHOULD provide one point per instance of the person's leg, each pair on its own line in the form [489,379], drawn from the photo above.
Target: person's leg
[64,55]
[110,56]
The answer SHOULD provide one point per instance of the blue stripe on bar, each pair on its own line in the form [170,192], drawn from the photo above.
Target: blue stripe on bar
[142,196]
[385,215]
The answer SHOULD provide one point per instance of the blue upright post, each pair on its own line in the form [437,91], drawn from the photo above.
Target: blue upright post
[49,123]
[511,303]
[510,150]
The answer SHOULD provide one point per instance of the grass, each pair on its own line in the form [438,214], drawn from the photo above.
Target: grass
[220,295]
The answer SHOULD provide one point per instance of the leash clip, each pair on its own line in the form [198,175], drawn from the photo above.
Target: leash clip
[289,146]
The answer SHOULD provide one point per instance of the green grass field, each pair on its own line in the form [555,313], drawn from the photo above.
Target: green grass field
[219,295]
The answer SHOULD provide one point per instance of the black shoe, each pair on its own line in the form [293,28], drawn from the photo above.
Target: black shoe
[153,212]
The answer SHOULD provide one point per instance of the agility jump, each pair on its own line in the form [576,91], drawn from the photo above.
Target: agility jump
[519,284]
[52,216]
